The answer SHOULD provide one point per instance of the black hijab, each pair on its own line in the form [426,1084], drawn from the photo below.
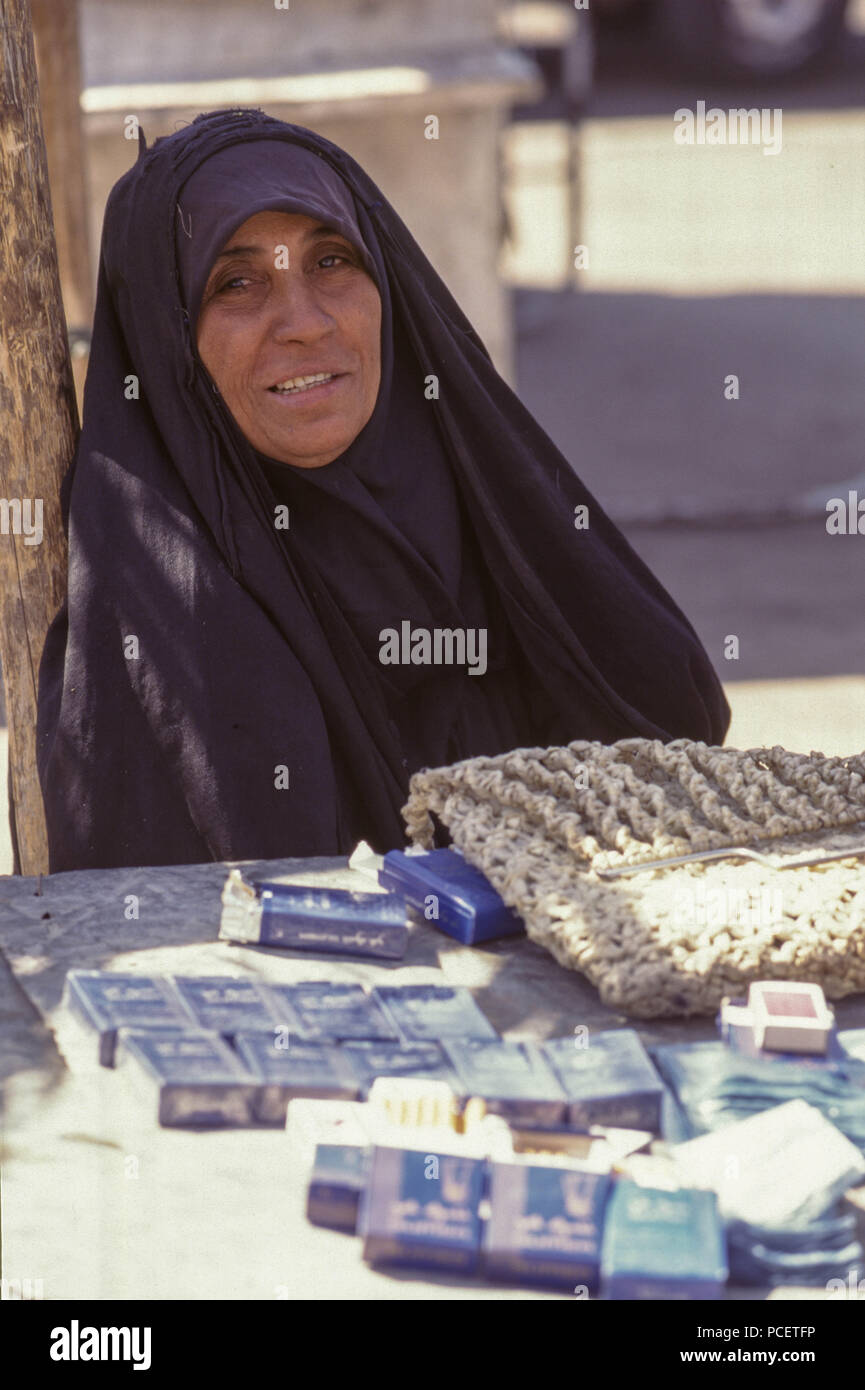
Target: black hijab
[204,659]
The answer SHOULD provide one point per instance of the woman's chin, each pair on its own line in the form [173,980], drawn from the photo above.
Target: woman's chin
[306,454]
[309,444]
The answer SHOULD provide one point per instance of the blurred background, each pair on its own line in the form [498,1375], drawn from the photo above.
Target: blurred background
[619,278]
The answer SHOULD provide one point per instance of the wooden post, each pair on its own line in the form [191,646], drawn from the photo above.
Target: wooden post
[38,418]
[58,63]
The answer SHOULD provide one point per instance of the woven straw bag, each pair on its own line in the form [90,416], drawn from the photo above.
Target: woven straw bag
[541,822]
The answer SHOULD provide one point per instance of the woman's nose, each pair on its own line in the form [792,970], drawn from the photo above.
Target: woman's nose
[297,311]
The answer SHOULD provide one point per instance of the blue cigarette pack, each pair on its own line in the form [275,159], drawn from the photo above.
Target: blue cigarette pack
[335,1012]
[296,917]
[104,1001]
[714,1085]
[690,1071]
[369,1060]
[199,1081]
[428,1013]
[226,1004]
[313,1071]
[609,1082]
[513,1078]
[662,1245]
[545,1225]
[339,1176]
[451,894]
[421,1210]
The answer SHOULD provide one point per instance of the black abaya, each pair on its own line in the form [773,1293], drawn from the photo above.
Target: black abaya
[252,716]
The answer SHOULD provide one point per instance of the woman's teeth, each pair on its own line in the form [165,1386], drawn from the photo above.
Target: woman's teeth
[301,383]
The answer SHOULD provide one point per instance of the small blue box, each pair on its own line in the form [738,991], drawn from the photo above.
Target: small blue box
[662,1245]
[314,1071]
[339,1176]
[512,1077]
[226,1004]
[104,1001]
[335,1012]
[429,1013]
[545,1225]
[421,1210]
[609,1082]
[451,894]
[199,1081]
[369,1060]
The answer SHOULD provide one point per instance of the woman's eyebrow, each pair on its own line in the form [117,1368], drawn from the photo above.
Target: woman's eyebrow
[239,251]
[325,230]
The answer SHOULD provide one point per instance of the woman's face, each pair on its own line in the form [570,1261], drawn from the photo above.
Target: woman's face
[289,298]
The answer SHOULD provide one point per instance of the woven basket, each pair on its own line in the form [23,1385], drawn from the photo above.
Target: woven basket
[540,822]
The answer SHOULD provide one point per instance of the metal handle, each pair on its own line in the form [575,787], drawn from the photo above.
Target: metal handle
[739,852]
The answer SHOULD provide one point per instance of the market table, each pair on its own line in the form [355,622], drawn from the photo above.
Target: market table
[98,1202]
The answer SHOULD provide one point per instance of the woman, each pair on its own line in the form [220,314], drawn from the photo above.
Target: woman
[315,541]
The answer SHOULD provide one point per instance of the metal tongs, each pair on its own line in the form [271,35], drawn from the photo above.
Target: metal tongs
[855,852]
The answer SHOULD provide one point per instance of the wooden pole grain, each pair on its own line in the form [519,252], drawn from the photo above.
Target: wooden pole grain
[38,418]
[58,65]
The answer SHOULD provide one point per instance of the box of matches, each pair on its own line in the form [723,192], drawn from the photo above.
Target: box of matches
[199,1082]
[789,1016]
[545,1225]
[101,1001]
[451,894]
[662,1245]
[293,1070]
[421,1210]
[339,1176]
[429,1013]
[226,1004]
[736,1029]
[513,1078]
[609,1082]
[335,1012]
[296,917]
[369,1060]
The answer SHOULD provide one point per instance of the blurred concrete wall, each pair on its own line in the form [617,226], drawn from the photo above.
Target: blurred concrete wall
[366,74]
[187,40]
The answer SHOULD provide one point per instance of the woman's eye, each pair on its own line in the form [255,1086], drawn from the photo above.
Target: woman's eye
[232,283]
[333,256]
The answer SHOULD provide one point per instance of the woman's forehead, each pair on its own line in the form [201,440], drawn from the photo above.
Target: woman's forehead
[257,231]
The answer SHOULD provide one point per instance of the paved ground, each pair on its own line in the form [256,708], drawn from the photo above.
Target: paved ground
[704,262]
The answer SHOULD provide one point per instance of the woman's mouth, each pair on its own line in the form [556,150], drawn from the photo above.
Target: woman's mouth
[295,385]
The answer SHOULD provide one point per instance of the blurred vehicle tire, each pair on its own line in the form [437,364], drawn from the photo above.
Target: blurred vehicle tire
[751,38]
